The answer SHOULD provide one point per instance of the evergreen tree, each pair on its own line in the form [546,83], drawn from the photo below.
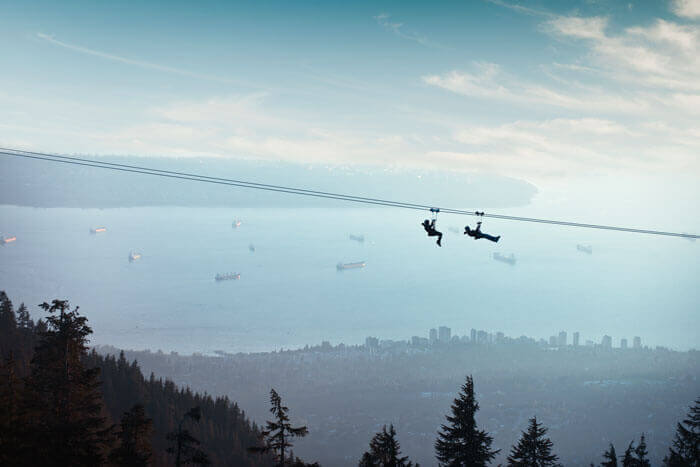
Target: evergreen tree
[11,421]
[8,326]
[26,420]
[186,448]
[63,401]
[641,453]
[134,437]
[628,459]
[23,319]
[686,444]
[295,461]
[460,443]
[278,432]
[610,457]
[533,449]
[384,451]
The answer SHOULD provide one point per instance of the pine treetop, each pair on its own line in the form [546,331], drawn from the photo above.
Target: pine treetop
[459,441]
[533,449]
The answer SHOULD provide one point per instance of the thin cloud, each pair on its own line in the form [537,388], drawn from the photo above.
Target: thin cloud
[520,9]
[489,82]
[383,20]
[687,8]
[663,55]
[129,61]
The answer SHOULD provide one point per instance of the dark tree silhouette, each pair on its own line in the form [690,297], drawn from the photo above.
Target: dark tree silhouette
[533,449]
[136,431]
[459,441]
[295,461]
[277,434]
[641,453]
[384,451]
[186,447]
[610,457]
[686,444]
[62,399]
[226,433]
[628,459]
[11,421]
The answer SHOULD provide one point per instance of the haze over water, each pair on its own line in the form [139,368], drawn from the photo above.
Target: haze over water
[290,293]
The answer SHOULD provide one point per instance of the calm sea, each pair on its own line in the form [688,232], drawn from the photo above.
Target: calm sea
[290,293]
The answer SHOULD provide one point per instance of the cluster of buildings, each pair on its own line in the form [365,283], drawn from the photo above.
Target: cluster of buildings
[443,335]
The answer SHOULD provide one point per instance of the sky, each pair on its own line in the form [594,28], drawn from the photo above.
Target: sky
[588,99]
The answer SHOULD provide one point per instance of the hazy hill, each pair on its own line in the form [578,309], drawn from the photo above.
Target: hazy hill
[49,184]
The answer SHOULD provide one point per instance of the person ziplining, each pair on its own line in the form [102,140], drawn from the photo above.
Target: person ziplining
[429,226]
[476,234]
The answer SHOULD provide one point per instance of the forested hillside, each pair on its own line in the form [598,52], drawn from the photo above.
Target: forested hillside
[62,405]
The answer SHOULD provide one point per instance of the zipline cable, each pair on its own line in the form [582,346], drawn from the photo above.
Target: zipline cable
[313,193]
[242,182]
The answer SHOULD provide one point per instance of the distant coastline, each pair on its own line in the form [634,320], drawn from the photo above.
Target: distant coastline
[47,185]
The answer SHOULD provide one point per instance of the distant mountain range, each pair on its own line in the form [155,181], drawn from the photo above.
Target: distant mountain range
[49,184]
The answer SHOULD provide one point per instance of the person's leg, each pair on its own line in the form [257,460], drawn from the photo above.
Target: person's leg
[491,237]
[439,240]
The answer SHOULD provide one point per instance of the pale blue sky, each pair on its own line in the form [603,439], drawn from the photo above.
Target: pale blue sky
[549,92]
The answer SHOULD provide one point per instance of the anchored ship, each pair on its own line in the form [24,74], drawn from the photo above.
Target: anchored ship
[227,276]
[357,238]
[236,223]
[97,230]
[505,259]
[585,249]
[5,240]
[134,256]
[344,266]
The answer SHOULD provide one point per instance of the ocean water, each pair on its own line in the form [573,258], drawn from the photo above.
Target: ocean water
[290,293]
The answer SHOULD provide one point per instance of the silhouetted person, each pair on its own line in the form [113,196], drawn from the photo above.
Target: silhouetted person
[429,227]
[477,233]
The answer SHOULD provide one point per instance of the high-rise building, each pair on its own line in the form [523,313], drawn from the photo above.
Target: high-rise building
[637,342]
[500,338]
[552,341]
[562,339]
[576,338]
[623,343]
[444,334]
[606,343]
[371,342]
[482,337]
[433,335]
[472,336]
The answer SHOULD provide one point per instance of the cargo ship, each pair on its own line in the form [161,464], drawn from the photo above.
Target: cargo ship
[5,240]
[236,223]
[97,230]
[134,256]
[344,266]
[505,259]
[585,249]
[357,238]
[227,276]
